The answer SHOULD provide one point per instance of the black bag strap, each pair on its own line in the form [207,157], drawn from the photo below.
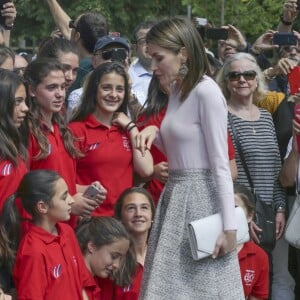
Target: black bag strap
[239,148]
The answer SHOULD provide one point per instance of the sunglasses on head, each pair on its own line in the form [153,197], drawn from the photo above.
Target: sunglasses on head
[236,76]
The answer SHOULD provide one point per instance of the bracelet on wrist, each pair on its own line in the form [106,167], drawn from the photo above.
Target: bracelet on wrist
[131,127]
[287,23]
[126,127]
[280,209]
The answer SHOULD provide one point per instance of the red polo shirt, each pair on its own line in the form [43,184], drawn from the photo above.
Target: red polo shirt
[108,159]
[49,266]
[254,267]
[58,159]
[10,177]
[110,291]
[92,289]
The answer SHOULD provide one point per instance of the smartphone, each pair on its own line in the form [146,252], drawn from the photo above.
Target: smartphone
[298,5]
[91,192]
[297,112]
[284,38]
[217,33]
[294,80]
[2,19]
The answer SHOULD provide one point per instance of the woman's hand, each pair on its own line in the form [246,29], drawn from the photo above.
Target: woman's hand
[280,224]
[225,244]
[83,206]
[253,230]
[235,37]
[9,12]
[4,296]
[144,140]
[161,172]
[120,120]
[264,42]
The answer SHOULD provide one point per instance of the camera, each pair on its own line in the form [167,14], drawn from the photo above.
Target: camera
[115,54]
[217,33]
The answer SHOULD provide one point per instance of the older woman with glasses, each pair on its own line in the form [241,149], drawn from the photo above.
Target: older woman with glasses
[242,83]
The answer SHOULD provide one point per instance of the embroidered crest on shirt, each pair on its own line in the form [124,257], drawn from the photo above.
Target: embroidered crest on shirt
[75,261]
[127,288]
[93,146]
[56,271]
[249,277]
[50,149]
[7,169]
[126,143]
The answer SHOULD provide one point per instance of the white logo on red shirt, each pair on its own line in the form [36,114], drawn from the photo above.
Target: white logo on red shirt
[56,271]
[93,147]
[75,261]
[126,143]
[7,169]
[249,276]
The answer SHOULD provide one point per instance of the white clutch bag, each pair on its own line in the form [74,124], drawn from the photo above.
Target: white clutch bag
[203,233]
[292,233]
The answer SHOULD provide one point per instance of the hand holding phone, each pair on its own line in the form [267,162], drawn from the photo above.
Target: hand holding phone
[91,192]
[217,33]
[2,19]
[284,39]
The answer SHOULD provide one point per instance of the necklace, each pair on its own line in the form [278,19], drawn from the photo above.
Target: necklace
[247,117]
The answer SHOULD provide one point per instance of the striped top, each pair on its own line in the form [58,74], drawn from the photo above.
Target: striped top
[260,148]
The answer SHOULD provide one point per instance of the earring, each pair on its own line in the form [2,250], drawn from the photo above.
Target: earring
[183,70]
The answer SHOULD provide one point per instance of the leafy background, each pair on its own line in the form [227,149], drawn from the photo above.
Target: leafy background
[253,17]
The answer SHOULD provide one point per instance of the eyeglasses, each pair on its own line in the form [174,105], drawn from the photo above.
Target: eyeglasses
[141,41]
[72,24]
[236,76]
[290,49]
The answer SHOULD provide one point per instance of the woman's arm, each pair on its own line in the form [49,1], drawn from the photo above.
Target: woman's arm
[142,161]
[61,18]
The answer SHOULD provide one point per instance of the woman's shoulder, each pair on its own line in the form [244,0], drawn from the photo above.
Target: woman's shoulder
[260,254]
[208,91]
[265,114]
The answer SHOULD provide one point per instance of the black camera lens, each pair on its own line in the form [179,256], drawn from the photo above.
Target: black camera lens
[117,54]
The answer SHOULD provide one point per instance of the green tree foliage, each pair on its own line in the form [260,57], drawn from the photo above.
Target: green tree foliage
[252,17]
[35,22]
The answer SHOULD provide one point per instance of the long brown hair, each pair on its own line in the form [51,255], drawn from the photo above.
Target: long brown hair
[13,140]
[35,73]
[175,33]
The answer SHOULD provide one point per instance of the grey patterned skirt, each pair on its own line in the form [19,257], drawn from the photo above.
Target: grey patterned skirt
[170,271]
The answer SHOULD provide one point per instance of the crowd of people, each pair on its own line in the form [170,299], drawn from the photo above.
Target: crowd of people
[109,148]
